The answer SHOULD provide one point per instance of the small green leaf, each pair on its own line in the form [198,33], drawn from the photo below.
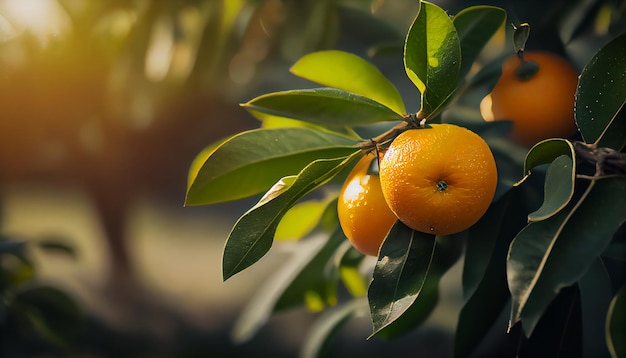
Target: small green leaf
[616,325]
[321,334]
[400,273]
[558,189]
[350,73]
[475,26]
[546,151]
[250,162]
[253,233]
[432,56]
[555,253]
[349,272]
[520,36]
[57,245]
[325,106]
[601,95]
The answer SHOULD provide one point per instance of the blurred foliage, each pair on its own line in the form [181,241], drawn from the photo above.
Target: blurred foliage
[34,316]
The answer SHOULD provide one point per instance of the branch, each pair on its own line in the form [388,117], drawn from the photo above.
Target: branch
[607,161]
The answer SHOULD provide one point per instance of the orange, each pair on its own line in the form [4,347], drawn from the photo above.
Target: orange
[440,179]
[541,106]
[363,214]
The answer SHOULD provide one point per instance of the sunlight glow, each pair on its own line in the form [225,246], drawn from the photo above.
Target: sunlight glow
[42,18]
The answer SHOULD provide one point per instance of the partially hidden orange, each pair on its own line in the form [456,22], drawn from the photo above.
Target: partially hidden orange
[540,105]
[440,179]
[363,213]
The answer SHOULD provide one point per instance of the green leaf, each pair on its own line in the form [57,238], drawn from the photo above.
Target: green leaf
[253,233]
[558,188]
[520,36]
[446,253]
[57,245]
[350,73]
[558,333]
[261,306]
[320,335]
[250,162]
[484,272]
[616,325]
[554,253]
[51,313]
[432,57]
[546,151]
[325,106]
[601,95]
[399,275]
[272,121]
[300,220]
[475,26]
[349,262]
[319,276]
[595,298]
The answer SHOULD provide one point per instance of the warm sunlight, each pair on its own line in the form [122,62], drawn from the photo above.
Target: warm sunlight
[42,18]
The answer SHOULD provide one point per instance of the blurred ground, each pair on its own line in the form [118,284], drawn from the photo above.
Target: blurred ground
[178,255]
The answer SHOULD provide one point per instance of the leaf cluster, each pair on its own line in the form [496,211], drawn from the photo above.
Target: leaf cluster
[551,238]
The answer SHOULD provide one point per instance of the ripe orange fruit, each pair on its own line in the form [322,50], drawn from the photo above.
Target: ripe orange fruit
[438,180]
[363,213]
[541,106]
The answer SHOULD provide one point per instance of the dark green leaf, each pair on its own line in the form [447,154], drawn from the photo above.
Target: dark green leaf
[520,36]
[617,248]
[554,253]
[400,273]
[446,253]
[326,106]
[253,233]
[432,56]
[307,261]
[601,95]
[51,313]
[52,244]
[595,298]
[558,188]
[350,73]
[417,313]
[546,152]
[616,325]
[559,332]
[484,273]
[475,26]
[320,335]
[250,162]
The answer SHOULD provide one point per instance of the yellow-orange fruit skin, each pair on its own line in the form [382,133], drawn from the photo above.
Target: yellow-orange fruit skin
[363,213]
[438,180]
[540,107]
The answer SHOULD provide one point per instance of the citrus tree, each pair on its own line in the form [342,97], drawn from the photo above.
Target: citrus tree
[344,169]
